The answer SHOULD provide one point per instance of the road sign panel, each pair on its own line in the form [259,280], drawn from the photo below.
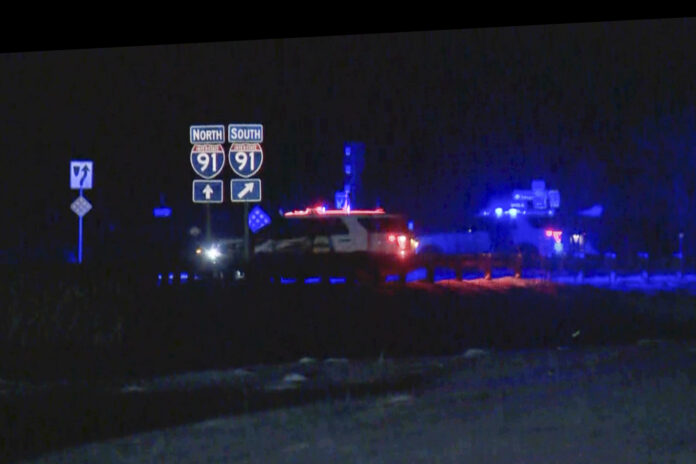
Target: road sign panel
[246,158]
[208,160]
[207,191]
[258,219]
[250,133]
[245,190]
[81,206]
[214,134]
[554,199]
[340,198]
[81,174]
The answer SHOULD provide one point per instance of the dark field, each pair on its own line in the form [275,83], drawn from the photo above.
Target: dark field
[98,323]
[77,343]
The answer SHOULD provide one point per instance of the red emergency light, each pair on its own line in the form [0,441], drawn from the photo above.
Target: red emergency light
[321,211]
[556,234]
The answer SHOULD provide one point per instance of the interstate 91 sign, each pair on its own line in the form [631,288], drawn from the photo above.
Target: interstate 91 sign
[208,160]
[246,158]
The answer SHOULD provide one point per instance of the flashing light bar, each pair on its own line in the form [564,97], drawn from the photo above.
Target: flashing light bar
[322,211]
[556,234]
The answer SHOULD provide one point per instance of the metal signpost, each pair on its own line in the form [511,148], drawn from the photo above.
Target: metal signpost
[81,174]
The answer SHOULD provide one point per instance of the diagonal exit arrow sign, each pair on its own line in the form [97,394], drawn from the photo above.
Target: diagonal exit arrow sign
[245,190]
[248,188]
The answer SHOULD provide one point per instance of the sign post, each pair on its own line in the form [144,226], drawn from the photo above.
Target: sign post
[81,173]
[246,232]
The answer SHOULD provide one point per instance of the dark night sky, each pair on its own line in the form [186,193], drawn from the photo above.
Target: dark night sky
[604,112]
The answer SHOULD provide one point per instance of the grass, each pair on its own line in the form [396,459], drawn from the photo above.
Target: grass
[106,322]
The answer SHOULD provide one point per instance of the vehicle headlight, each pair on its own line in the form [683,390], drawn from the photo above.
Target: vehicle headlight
[212,253]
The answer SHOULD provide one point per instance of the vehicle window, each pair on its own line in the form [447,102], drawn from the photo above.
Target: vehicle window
[542,222]
[384,224]
[293,228]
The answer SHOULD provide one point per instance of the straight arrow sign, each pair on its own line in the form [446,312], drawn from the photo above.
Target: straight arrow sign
[207,191]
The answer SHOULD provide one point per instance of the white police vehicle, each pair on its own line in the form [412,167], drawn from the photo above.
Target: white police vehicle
[320,230]
[315,239]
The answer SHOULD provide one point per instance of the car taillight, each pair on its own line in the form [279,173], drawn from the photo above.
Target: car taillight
[402,241]
[392,237]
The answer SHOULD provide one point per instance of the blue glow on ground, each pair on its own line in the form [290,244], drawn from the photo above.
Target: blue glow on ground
[417,274]
[472,275]
[183,276]
[283,280]
[443,274]
[392,278]
[337,280]
[312,280]
[496,273]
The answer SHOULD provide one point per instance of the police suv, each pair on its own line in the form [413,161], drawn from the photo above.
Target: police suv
[320,230]
[360,245]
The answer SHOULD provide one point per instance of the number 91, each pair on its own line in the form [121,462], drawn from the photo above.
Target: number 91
[242,158]
[204,160]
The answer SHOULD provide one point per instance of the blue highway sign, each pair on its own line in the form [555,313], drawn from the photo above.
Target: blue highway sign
[81,174]
[207,191]
[249,133]
[207,134]
[245,190]
[340,199]
[208,160]
[246,158]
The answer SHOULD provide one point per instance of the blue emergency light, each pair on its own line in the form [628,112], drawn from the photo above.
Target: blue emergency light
[162,211]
